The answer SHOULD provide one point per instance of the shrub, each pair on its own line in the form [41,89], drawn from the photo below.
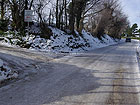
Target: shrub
[3,25]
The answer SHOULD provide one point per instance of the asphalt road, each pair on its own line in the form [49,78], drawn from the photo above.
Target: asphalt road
[105,76]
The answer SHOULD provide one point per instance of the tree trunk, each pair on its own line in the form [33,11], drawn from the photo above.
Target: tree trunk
[81,26]
[2,9]
[57,17]
[50,18]
[72,18]
[31,5]
[66,24]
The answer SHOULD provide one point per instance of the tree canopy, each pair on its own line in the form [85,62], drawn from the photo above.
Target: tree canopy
[96,16]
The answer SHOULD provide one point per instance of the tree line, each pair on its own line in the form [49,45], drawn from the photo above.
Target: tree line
[98,17]
[132,31]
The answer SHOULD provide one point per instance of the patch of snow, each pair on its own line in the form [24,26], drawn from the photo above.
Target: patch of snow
[6,72]
[61,42]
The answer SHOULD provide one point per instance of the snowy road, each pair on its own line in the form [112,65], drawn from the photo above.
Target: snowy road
[106,76]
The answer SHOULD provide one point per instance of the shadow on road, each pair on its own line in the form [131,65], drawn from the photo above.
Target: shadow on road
[50,83]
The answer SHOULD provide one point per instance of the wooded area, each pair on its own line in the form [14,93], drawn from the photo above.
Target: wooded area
[98,17]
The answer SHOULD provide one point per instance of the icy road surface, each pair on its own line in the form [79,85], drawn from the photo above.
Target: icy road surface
[105,76]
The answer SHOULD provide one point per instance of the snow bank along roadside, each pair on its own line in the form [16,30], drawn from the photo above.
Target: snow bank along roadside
[61,42]
[138,52]
[6,73]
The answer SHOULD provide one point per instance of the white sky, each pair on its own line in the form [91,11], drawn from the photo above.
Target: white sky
[132,9]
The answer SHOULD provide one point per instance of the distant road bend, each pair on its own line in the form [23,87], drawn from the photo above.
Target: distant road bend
[105,76]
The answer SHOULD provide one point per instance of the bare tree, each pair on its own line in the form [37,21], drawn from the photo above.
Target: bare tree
[2,4]
[88,6]
[17,11]
[39,7]
[118,24]
[105,17]
[71,16]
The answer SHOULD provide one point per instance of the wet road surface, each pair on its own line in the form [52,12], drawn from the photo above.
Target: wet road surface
[105,76]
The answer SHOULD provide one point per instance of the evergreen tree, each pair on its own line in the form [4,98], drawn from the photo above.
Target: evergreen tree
[134,29]
[131,31]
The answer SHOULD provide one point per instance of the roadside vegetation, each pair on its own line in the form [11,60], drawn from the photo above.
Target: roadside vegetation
[132,32]
[98,17]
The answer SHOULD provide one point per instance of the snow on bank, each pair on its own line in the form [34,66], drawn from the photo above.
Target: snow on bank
[61,42]
[6,73]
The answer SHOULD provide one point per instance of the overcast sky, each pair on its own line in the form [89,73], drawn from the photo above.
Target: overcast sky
[132,9]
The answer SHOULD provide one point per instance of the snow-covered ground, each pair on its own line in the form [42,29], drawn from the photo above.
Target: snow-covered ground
[61,42]
[6,73]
